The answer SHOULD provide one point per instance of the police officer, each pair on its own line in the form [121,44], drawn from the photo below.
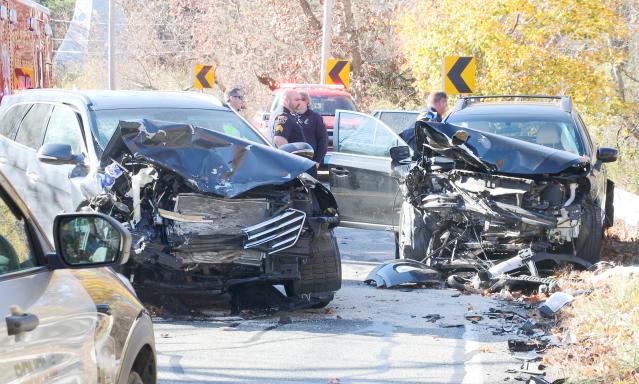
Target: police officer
[287,127]
[436,109]
[235,99]
[314,131]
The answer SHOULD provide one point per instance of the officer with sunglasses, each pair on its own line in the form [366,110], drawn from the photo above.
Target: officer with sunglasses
[235,99]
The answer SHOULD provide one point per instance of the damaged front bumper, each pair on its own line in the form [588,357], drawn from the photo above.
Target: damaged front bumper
[207,211]
[209,244]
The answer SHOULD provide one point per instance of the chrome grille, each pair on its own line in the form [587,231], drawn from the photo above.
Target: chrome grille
[277,233]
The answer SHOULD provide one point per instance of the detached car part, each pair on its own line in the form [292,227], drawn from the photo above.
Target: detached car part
[394,273]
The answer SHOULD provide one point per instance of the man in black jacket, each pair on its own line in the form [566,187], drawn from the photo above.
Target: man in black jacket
[436,109]
[314,131]
[287,127]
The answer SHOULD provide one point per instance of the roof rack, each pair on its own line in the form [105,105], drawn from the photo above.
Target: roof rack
[565,102]
[294,85]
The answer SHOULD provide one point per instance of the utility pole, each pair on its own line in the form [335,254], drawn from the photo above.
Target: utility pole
[326,37]
[110,48]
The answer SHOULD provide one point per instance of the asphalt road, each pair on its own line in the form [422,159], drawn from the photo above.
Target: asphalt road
[366,335]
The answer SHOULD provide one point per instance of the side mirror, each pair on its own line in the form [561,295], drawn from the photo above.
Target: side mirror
[607,155]
[54,153]
[399,153]
[85,240]
[300,149]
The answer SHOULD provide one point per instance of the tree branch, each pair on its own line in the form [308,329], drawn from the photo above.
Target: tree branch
[636,80]
[312,20]
[356,54]
[512,30]
[268,81]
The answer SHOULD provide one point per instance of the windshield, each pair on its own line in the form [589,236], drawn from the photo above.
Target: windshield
[227,122]
[326,105]
[399,121]
[553,132]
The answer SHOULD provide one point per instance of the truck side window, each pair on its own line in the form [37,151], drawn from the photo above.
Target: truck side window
[16,252]
[32,128]
[64,128]
[12,119]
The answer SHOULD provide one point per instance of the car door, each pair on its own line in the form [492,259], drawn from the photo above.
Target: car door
[10,119]
[24,149]
[60,184]
[57,316]
[360,171]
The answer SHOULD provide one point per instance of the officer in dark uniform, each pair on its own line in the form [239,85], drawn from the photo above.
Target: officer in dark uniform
[437,106]
[314,131]
[287,127]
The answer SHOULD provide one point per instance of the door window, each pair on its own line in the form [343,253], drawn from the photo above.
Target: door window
[365,135]
[16,252]
[64,128]
[11,120]
[32,127]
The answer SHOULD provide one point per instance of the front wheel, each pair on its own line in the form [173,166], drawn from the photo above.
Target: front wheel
[321,275]
[134,378]
[414,236]
[589,242]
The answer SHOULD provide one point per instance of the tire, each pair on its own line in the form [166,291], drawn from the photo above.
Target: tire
[610,204]
[589,242]
[413,234]
[134,378]
[321,275]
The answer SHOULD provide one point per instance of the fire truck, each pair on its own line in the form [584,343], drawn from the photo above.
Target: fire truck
[25,46]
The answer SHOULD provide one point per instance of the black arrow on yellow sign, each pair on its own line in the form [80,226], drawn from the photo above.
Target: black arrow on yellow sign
[454,75]
[201,76]
[458,74]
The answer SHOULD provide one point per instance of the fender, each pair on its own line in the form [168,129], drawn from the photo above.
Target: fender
[140,335]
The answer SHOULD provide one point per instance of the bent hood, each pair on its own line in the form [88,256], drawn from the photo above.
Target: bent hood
[492,152]
[210,161]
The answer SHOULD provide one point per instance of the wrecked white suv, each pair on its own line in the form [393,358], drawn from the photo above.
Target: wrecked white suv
[209,202]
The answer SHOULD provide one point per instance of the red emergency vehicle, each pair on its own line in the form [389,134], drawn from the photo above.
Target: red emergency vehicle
[25,46]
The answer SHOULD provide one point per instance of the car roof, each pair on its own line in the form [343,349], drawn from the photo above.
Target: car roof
[547,109]
[104,100]
[315,91]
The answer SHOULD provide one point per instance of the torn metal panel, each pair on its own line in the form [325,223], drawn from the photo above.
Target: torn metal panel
[210,161]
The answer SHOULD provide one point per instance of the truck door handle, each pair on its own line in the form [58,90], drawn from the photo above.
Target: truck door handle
[33,177]
[339,171]
[19,322]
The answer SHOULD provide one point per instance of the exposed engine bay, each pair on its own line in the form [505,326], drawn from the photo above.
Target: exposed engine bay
[480,197]
[208,211]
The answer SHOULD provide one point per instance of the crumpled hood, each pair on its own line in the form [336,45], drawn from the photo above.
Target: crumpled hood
[497,153]
[210,161]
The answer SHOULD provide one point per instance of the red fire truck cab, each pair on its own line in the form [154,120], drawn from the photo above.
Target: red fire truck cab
[25,46]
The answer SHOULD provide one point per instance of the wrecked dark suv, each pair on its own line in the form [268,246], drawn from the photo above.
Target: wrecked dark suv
[501,179]
[496,180]
[209,203]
